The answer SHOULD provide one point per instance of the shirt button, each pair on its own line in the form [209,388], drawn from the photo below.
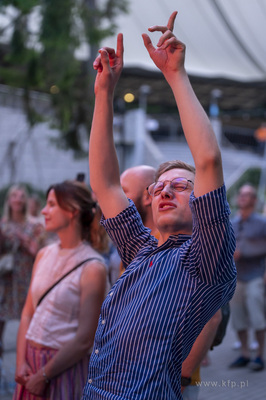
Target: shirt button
[96,351]
[90,381]
[111,294]
[103,321]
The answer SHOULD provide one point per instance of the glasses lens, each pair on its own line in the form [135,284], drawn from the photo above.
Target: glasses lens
[157,188]
[179,184]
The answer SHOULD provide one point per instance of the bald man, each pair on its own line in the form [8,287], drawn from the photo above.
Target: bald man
[134,182]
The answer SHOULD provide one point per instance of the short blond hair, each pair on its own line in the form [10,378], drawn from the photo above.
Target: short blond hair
[168,165]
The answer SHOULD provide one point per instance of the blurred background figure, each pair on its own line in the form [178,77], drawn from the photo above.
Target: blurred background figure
[35,216]
[23,239]
[105,246]
[34,208]
[248,303]
[55,336]
[134,182]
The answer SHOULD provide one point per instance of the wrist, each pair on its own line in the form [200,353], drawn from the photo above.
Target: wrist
[45,377]
[104,95]
[185,381]
[178,75]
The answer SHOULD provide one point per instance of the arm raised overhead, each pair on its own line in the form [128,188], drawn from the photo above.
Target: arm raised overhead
[169,57]
[104,168]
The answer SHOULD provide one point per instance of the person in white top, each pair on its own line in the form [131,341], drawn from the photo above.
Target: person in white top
[55,336]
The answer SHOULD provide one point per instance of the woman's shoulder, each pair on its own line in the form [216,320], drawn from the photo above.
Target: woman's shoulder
[95,266]
[95,261]
[50,248]
[90,253]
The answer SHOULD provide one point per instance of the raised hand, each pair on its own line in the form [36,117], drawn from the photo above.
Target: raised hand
[109,65]
[169,55]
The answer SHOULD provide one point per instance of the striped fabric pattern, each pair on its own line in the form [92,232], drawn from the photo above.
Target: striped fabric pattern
[154,312]
[67,386]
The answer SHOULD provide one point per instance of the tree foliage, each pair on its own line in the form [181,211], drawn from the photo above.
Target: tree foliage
[44,59]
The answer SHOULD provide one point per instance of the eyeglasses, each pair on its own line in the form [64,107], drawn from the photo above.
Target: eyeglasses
[177,184]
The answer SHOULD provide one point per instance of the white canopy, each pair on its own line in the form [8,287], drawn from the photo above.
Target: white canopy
[224,38]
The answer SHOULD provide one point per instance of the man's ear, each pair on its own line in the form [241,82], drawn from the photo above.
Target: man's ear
[146,198]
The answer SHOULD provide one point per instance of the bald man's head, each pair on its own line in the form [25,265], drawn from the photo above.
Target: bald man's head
[134,182]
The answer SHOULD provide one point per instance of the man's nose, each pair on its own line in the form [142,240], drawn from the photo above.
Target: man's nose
[167,191]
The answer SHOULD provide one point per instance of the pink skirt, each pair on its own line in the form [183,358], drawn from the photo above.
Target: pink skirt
[67,386]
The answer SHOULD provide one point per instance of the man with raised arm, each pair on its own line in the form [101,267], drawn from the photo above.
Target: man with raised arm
[171,287]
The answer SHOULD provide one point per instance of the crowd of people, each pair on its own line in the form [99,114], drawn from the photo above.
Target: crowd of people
[131,314]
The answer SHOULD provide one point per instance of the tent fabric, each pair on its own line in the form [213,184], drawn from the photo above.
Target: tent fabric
[224,38]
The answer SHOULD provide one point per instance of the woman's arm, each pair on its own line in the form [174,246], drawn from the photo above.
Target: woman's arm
[22,368]
[93,282]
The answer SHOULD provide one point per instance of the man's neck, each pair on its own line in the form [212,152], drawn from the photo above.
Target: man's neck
[246,212]
[149,224]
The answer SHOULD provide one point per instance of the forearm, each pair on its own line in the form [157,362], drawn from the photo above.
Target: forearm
[21,340]
[104,169]
[103,162]
[169,57]
[198,131]
[201,345]
[195,122]
[67,356]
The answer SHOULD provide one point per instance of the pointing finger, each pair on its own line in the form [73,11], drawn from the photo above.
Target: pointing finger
[119,45]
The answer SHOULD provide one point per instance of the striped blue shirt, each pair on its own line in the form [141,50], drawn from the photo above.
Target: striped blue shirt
[154,312]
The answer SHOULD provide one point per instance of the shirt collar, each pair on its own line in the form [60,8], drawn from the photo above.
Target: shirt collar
[176,240]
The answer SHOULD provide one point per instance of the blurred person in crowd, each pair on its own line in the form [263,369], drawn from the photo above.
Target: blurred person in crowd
[22,238]
[135,182]
[34,208]
[104,246]
[35,215]
[56,334]
[247,305]
[174,285]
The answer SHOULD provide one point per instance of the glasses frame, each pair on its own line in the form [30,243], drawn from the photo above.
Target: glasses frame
[171,187]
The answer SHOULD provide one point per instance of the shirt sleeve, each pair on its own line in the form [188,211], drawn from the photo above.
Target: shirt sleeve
[213,239]
[128,233]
